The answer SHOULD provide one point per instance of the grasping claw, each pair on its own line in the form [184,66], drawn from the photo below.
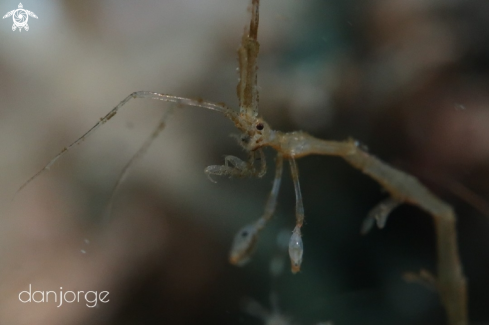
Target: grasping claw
[245,240]
[235,167]
[296,249]
[244,244]
[379,214]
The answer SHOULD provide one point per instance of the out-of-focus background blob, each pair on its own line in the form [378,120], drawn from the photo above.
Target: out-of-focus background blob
[408,79]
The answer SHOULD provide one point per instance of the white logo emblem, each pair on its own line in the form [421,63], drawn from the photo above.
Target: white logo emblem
[20,16]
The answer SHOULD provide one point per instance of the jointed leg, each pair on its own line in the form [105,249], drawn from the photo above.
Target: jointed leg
[233,167]
[139,94]
[239,168]
[405,189]
[296,248]
[139,154]
[272,198]
[247,237]
[379,214]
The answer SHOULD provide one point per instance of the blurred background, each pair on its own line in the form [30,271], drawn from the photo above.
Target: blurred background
[408,78]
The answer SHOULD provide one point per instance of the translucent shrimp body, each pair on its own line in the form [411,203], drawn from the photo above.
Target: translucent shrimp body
[256,135]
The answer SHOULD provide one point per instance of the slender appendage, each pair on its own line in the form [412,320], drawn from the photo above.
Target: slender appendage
[299,205]
[138,155]
[235,167]
[379,214]
[139,94]
[296,247]
[272,198]
[236,162]
[247,56]
[245,240]
[404,188]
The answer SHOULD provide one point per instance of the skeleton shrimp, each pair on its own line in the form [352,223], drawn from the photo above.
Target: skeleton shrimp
[256,134]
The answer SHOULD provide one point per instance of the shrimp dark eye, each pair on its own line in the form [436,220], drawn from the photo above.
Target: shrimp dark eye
[244,233]
[260,126]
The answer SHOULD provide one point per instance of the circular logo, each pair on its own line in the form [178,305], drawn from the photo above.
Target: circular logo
[20,18]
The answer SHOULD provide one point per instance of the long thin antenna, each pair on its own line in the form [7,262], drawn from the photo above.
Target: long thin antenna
[138,155]
[138,94]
